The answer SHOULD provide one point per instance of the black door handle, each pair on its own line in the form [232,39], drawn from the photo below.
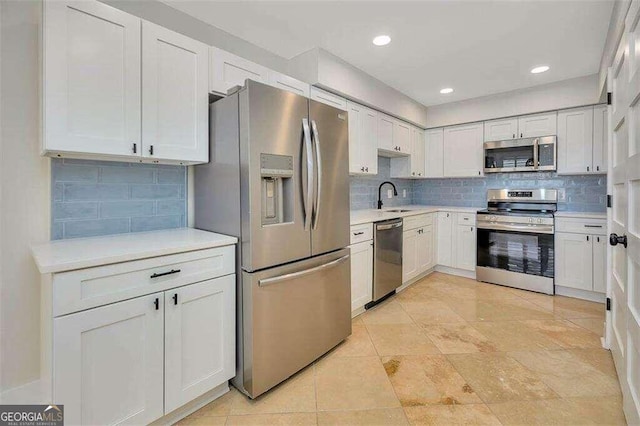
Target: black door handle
[157,303]
[175,299]
[614,240]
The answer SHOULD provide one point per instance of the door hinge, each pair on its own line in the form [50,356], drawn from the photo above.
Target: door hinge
[608,303]
[609,200]
[609,98]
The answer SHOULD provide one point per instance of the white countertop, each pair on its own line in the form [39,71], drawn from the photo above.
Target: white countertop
[582,215]
[359,217]
[66,255]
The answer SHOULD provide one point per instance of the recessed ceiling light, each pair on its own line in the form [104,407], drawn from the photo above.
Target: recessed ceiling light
[446,90]
[381,40]
[538,70]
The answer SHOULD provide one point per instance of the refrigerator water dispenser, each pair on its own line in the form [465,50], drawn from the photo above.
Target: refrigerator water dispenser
[276,173]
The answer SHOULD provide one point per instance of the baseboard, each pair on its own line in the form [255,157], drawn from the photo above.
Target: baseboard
[35,392]
[192,406]
[591,296]
[456,271]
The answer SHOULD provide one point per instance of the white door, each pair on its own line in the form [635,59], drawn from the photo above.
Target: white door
[573,253]
[361,274]
[445,239]
[434,152]
[600,137]
[465,247]
[417,152]
[200,339]
[227,70]
[463,151]
[599,273]
[290,84]
[624,218]
[425,250]
[356,160]
[385,133]
[498,130]
[369,141]
[175,100]
[402,137]
[531,126]
[108,363]
[91,80]
[575,140]
[409,254]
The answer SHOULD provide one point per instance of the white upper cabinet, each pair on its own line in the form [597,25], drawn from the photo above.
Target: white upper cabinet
[91,79]
[434,152]
[531,126]
[463,150]
[290,84]
[498,130]
[327,98]
[228,70]
[363,145]
[575,140]
[402,137]
[600,137]
[385,133]
[175,102]
[417,152]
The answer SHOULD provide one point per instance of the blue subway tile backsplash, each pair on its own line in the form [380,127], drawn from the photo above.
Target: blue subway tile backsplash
[364,189]
[91,198]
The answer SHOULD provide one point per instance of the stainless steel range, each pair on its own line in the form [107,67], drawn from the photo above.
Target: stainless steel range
[515,239]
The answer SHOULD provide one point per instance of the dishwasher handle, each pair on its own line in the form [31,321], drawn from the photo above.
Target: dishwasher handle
[385,226]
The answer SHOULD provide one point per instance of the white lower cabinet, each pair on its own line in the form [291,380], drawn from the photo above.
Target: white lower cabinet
[456,235]
[418,246]
[361,274]
[409,255]
[465,247]
[108,362]
[445,239]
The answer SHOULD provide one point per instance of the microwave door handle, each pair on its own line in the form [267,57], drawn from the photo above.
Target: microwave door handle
[307,199]
[316,141]
[535,153]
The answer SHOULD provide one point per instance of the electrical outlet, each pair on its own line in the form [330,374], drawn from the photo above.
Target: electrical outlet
[404,193]
[562,195]
[389,193]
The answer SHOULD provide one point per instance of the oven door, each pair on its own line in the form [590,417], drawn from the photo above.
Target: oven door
[521,258]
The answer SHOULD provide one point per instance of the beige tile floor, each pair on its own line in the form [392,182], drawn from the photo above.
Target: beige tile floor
[449,351]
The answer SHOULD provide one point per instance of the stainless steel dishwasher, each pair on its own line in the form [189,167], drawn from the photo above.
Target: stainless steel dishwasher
[387,261]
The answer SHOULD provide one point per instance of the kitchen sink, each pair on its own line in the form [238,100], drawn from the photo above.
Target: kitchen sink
[399,211]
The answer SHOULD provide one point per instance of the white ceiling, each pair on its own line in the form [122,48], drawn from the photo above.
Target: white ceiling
[478,47]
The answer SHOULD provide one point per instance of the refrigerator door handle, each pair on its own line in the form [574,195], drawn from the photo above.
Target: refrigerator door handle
[316,140]
[299,274]
[308,199]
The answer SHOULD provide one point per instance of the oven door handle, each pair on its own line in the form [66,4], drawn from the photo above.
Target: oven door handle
[529,229]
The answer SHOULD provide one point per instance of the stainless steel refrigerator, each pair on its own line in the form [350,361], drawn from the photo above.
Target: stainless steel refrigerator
[278,179]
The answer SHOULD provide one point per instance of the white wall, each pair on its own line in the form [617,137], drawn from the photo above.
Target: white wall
[616,28]
[563,94]
[24,187]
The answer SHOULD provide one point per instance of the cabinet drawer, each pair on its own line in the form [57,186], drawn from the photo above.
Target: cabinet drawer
[361,233]
[581,226]
[413,222]
[87,288]
[466,219]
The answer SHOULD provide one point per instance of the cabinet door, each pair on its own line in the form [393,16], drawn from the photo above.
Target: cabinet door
[91,89]
[445,239]
[363,146]
[290,84]
[425,249]
[175,102]
[599,263]
[575,140]
[108,363]
[227,70]
[369,141]
[573,254]
[327,98]
[200,339]
[356,163]
[409,254]
[417,152]
[434,152]
[463,156]
[600,138]
[531,126]
[402,136]
[385,132]
[465,247]
[361,274]
[499,130]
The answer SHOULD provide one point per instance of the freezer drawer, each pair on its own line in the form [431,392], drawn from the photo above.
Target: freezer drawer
[292,315]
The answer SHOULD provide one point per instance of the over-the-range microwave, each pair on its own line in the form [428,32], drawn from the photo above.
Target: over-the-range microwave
[520,155]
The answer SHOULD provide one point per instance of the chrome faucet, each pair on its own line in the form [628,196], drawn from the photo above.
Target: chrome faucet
[395,192]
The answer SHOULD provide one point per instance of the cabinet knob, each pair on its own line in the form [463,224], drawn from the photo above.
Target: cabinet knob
[157,303]
[175,299]
[150,149]
[514,135]
[367,168]
[521,134]
[135,148]
[587,168]
[597,168]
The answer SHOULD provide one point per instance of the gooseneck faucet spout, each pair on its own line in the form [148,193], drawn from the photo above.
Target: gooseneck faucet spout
[395,192]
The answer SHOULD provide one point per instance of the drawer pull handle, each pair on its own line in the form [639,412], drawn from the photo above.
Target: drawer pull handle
[175,299]
[358,233]
[162,274]
[593,226]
